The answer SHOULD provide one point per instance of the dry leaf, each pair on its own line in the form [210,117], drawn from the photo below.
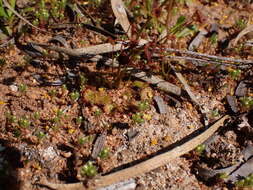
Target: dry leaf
[119,11]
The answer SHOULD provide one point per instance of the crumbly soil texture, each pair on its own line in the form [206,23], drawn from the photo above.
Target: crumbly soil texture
[60,112]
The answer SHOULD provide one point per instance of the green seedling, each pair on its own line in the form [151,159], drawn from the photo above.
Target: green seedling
[82,81]
[42,14]
[241,23]
[143,105]
[56,119]
[235,73]
[24,122]
[245,183]
[64,87]
[17,133]
[11,118]
[40,135]
[215,113]
[58,8]
[7,16]
[214,38]
[200,149]
[36,115]
[89,169]
[22,87]
[2,62]
[104,154]
[74,96]
[179,24]
[138,118]
[83,140]
[223,175]
[59,113]
[52,93]
[79,120]
[247,102]
[98,112]
[187,31]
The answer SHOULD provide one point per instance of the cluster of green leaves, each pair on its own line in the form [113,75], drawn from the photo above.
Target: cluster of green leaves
[7,16]
[104,154]
[181,29]
[24,122]
[86,139]
[246,182]
[247,102]
[235,73]
[44,13]
[89,169]
[58,116]
[138,118]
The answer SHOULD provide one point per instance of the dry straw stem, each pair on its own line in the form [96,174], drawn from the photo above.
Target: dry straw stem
[145,166]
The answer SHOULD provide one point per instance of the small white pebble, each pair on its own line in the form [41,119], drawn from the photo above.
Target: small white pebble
[13,88]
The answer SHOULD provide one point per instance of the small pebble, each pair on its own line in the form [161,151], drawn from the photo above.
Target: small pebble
[14,88]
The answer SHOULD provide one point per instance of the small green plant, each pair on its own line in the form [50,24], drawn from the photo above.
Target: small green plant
[83,140]
[143,105]
[24,122]
[7,16]
[214,38]
[89,169]
[22,87]
[215,113]
[138,118]
[98,112]
[74,96]
[223,175]
[79,120]
[82,81]
[17,133]
[241,23]
[247,102]
[247,182]
[40,135]
[200,149]
[104,154]
[58,8]
[42,14]
[235,73]
[11,118]
[52,93]
[58,116]
[36,115]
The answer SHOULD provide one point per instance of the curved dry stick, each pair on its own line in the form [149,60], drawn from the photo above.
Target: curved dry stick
[142,167]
